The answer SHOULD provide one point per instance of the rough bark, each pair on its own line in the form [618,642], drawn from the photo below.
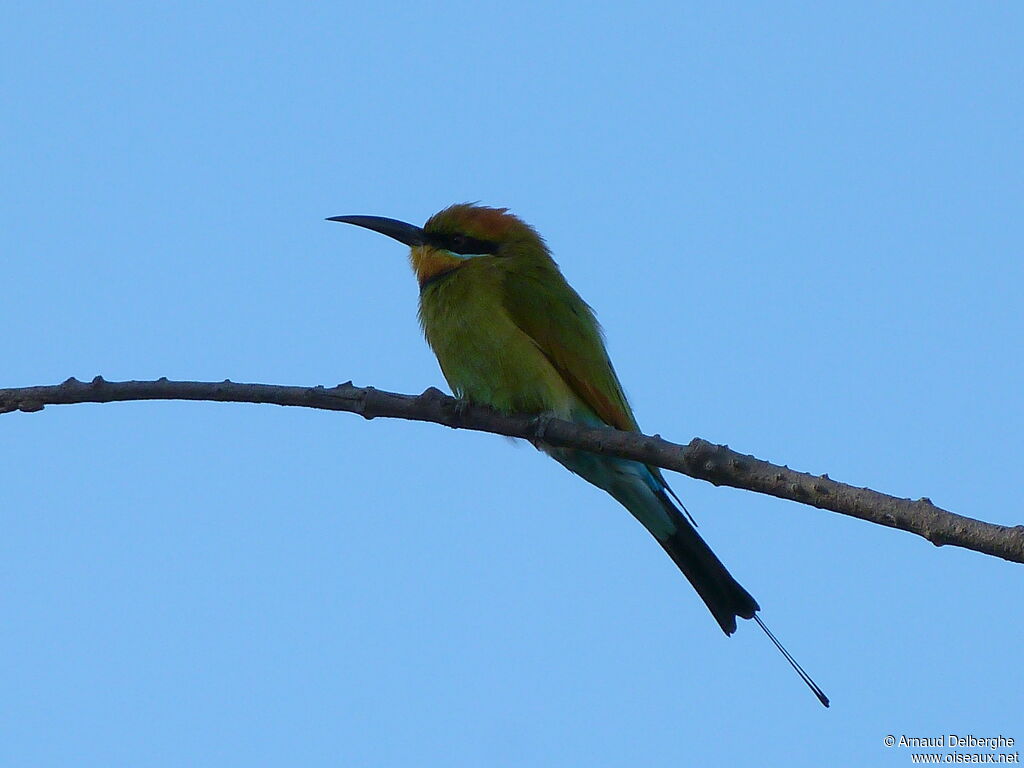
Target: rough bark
[700,459]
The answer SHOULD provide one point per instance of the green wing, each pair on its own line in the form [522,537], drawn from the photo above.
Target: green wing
[546,308]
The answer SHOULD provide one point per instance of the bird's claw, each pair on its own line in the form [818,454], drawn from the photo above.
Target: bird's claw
[541,424]
[460,407]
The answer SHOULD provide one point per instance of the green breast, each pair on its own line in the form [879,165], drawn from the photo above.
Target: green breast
[484,356]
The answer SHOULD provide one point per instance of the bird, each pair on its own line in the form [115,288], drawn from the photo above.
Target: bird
[510,332]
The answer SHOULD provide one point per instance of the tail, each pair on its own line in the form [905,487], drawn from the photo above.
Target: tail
[646,496]
[722,594]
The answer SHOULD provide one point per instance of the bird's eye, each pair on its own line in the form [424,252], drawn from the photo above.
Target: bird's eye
[463,244]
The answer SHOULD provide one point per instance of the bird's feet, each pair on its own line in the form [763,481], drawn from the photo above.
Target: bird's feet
[540,427]
[460,407]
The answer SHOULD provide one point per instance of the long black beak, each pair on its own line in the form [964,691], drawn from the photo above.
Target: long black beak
[404,233]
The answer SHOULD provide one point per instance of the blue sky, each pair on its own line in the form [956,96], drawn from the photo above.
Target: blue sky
[801,228]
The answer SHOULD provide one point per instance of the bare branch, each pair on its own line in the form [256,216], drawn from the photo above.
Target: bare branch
[700,459]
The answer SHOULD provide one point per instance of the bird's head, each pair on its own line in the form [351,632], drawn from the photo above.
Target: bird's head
[455,237]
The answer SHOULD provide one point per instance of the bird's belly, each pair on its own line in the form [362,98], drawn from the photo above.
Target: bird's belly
[487,359]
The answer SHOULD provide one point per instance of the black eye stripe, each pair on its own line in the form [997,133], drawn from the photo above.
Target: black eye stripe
[463,244]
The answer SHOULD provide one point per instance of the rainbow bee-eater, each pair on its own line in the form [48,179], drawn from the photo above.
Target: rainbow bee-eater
[509,332]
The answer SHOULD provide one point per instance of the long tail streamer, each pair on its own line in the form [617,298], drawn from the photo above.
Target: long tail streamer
[799,670]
